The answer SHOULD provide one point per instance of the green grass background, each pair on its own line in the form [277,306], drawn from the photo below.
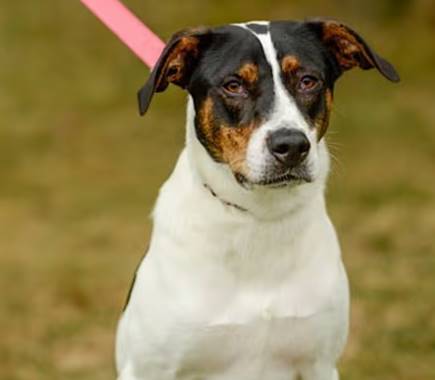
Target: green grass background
[79,172]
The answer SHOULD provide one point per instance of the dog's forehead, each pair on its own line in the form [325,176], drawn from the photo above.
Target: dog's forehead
[231,46]
[296,38]
[242,41]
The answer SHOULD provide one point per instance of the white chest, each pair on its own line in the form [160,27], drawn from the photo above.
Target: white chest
[267,347]
[207,328]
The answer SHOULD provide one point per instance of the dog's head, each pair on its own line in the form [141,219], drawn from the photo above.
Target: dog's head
[262,92]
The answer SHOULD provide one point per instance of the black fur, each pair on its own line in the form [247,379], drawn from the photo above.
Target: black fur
[231,47]
[223,50]
[258,28]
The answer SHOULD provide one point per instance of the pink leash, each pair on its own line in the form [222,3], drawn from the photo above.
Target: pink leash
[129,29]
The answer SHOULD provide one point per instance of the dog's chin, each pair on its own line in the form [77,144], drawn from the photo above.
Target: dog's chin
[276,181]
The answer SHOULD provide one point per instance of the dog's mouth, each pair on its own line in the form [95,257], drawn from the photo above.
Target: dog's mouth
[286,179]
[290,178]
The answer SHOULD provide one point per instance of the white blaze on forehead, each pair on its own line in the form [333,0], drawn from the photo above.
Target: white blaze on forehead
[245,24]
[284,113]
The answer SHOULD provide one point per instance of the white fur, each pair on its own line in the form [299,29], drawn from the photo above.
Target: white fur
[230,295]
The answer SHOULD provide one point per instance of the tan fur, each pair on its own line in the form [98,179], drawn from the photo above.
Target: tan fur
[227,144]
[249,73]
[175,65]
[234,143]
[290,64]
[345,46]
[206,124]
[322,120]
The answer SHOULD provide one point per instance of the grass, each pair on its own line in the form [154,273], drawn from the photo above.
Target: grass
[80,171]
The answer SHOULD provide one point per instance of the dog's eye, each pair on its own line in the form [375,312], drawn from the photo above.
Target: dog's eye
[308,83]
[234,87]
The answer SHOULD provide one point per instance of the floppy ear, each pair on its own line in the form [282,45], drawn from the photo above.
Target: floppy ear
[175,65]
[350,50]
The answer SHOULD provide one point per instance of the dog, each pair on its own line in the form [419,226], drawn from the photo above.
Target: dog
[243,279]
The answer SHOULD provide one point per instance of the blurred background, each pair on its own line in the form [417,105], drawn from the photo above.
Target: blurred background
[80,171]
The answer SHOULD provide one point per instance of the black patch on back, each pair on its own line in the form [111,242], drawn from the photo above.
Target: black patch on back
[258,28]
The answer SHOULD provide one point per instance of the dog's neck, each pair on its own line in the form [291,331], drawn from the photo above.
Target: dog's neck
[223,201]
[263,203]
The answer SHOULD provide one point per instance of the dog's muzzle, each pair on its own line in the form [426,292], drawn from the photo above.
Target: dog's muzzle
[289,150]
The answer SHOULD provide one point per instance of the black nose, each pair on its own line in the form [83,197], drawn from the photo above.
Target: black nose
[288,146]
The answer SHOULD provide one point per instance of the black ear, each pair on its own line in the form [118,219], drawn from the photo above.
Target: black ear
[175,64]
[350,50]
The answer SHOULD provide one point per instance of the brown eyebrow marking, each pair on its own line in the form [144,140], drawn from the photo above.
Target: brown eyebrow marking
[289,64]
[249,72]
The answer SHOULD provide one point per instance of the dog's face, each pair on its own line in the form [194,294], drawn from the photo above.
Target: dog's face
[262,91]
